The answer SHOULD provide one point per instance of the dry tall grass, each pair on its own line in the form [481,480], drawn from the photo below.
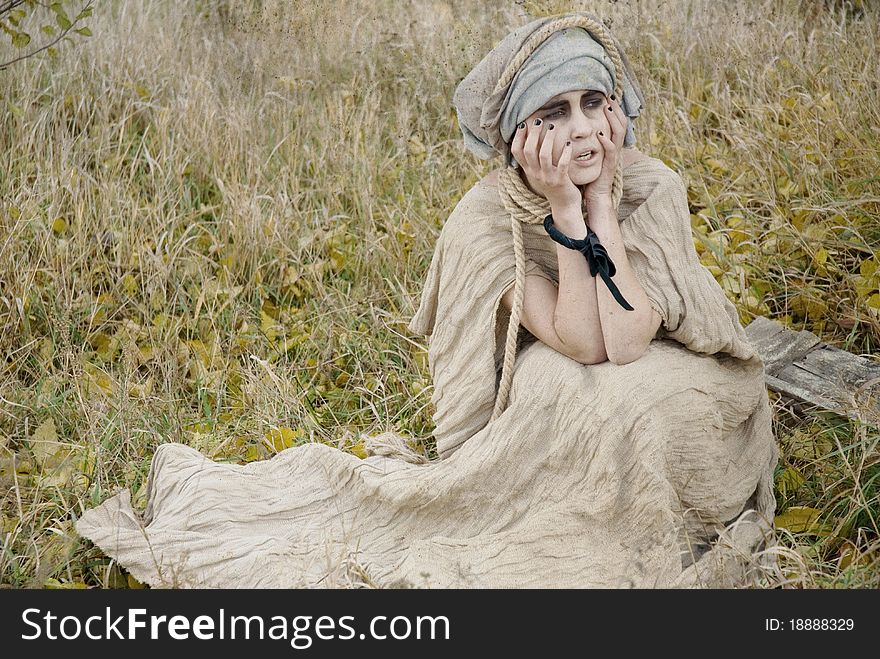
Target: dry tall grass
[215,218]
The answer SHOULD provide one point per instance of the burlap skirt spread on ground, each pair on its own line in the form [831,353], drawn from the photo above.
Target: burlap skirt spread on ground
[559,491]
[656,473]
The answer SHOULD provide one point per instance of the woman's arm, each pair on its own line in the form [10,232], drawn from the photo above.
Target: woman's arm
[547,308]
[576,311]
[626,333]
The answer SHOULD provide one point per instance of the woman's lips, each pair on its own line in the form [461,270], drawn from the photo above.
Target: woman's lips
[586,162]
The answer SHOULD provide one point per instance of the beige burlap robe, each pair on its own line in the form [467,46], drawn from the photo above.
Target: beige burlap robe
[656,473]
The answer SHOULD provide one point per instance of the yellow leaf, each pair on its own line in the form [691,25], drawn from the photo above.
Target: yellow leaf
[141,390]
[864,286]
[816,309]
[146,353]
[730,284]
[420,357]
[716,166]
[799,519]
[359,450]
[44,441]
[799,218]
[821,256]
[785,187]
[868,268]
[54,584]
[337,260]
[874,301]
[129,285]
[229,261]
[59,469]
[59,226]
[270,328]
[47,350]
[133,583]
[251,453]
[106,347]
[97,381]
[790,480]
[199,351]
[280,439]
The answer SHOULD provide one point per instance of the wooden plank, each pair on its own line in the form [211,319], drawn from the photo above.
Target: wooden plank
[799,366]
[844,368]
[778,345]
[802,392]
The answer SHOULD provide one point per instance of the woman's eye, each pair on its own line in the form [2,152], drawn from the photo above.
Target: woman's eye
[556,113]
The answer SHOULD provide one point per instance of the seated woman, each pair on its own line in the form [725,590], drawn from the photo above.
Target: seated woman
[620,437]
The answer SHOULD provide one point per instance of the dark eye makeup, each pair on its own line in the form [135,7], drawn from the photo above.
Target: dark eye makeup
[588,101]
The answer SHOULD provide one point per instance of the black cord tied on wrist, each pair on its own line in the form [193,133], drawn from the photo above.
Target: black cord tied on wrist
[596,254]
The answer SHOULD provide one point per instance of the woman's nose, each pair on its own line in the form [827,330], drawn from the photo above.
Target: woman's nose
[580,125]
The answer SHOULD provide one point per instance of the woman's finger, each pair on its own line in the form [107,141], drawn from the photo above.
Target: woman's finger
[565,158]
[610,151]
[545,153]
[530,150]
[617,121]
[519,138]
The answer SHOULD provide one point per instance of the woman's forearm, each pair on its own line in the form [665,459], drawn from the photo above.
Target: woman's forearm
[576,318]
[624,332]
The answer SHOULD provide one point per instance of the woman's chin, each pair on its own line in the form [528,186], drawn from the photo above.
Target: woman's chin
[581,179]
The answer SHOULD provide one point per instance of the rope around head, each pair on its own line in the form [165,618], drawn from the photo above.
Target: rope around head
[522,204]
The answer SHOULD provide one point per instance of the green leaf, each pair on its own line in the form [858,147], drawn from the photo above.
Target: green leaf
[63,22]
[84,31]
[48,29]
[85,13]
[21,39]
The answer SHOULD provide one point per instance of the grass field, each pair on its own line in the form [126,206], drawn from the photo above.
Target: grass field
[215,219]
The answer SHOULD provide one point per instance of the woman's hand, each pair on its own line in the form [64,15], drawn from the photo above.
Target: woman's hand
[532,146]
[600,189]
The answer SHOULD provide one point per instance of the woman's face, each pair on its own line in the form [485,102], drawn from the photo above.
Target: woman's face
[577,116]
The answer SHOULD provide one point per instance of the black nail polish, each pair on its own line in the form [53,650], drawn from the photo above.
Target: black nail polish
[550,127]
[601,133]
[537,122]
[568,144]
[612,97]
[521,125]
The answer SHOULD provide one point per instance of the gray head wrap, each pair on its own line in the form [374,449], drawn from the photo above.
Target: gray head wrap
[568,60]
